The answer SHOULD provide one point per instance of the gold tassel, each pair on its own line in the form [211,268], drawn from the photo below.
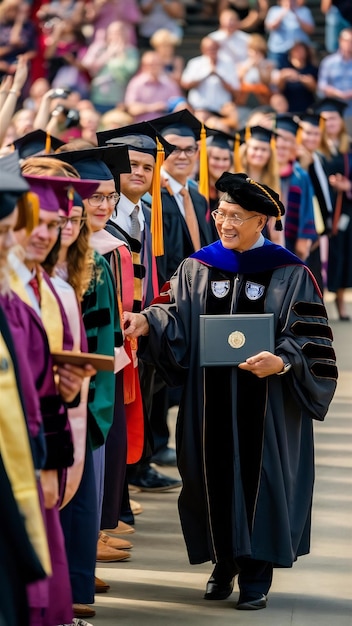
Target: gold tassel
[70,196]
[299,136]
[273,143]
[247,134]
[203,165]
[28,212]
[236,153]
[157,210]
[321,123]
[47,144]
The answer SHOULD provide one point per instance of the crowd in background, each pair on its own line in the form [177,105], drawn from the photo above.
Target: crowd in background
[79,82]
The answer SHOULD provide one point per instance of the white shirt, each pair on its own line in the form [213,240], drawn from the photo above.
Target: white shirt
[232,47]
[210,93]
[124,209]
[25,275]
[175,187]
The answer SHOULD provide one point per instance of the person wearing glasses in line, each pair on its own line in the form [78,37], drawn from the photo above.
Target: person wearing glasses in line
[104,164]
[182,130]
[257,443]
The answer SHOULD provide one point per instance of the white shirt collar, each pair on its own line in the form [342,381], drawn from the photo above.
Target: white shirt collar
[124,209]
[174,185]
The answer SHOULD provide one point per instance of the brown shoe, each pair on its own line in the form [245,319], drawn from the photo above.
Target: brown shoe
[136,508]
[121,529]
[101,586]
[110,555]
[114,542]
[83,610]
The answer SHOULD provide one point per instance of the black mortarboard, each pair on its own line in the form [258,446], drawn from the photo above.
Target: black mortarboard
[329,104]
[141,137]
[284,121]
[221,140]
[312,118]
[12,183]
[36,142]
[182,123]
[97,163]
[260,133]
[251,195]
[185,124]
[57,192]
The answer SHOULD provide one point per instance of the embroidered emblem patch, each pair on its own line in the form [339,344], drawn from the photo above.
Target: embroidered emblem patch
[254,291]
[220,288]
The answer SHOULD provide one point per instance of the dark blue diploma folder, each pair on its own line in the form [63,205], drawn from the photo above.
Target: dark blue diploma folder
[231,339]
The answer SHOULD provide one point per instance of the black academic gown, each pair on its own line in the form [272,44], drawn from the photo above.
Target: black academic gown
[177,241]
[340,243]
[257,446]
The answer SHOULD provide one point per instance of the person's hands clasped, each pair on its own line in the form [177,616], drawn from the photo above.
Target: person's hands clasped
[263,364]
[70,379]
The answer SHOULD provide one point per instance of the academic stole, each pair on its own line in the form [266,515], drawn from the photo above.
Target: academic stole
[131,384]
[16,453]
[50,309]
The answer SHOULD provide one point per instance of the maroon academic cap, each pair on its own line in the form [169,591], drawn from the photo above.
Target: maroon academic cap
[56,192]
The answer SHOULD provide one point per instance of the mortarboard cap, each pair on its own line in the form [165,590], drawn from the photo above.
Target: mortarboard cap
[221,140]
[284,121]
[12,184]
[141,137]
[312,118]
[36,142]
[260,133]
[184,124]
[251,195]
[329,104]
[57,192]
[97,163]
[315,119]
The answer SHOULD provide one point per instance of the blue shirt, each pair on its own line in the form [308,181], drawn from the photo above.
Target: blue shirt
[335,71]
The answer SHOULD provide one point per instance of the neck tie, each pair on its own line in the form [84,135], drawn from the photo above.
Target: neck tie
[35,286]
[191,218]
[135,225]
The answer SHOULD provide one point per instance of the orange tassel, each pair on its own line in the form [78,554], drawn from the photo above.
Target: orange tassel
[157,210]
[47,144]
[203,165]
[236,155]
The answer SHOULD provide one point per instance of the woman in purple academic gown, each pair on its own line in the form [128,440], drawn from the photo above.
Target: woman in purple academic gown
[51,606]
[20,544]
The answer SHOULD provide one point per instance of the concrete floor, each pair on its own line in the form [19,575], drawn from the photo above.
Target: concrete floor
[158,587]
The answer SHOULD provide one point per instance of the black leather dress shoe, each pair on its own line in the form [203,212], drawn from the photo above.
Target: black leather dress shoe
[218,591]
[165,457]
[148,479]
[251,602]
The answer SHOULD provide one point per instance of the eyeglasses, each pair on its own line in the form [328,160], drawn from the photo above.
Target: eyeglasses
[232,219]
[98,198]
[189,151]
[74,221]
[51,226]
